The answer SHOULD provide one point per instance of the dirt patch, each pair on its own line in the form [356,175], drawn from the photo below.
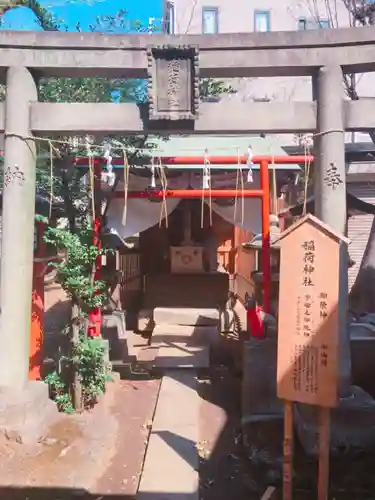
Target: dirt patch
[93,455]
[239,466]
[134,411]
[224,467]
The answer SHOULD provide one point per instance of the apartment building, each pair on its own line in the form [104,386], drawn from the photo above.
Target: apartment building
[248,16]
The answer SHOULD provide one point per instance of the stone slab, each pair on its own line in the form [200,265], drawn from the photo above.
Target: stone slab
[136,343]
[178,402]
[181,355]
[259,395]
[170,469]
[26,412]
[186,316]
[171,464]
[190,334]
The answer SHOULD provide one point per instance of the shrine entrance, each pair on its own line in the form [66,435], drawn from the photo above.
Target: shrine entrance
[173,68]
[186,257]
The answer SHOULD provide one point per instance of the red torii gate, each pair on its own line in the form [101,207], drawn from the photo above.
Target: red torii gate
[263,193]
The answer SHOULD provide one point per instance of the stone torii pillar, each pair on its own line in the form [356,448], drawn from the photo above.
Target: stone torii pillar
[24,406]
[330,187]
[17,229]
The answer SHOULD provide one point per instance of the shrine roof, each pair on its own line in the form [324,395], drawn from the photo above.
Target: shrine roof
[222,145]
[355,206]
[218,145]
[317,223]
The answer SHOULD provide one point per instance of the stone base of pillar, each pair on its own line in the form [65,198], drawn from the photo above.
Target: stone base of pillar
[352,423]
[259,399]
[26,413]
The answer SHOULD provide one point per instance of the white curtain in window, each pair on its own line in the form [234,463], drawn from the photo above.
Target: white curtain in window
[261,21]
[209,21]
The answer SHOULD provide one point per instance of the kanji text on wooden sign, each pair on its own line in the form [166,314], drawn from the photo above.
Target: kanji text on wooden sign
[308,333]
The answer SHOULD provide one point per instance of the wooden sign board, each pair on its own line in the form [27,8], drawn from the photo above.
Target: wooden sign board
[308,330]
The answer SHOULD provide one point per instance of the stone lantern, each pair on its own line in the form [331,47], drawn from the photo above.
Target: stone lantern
[255,246]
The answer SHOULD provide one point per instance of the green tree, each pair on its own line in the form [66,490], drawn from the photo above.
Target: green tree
[87,370]
[91,90]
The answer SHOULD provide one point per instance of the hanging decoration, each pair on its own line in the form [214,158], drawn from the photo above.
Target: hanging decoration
[51,178]
[153,177]
[126,186]
[206,172]
[108,176]
[239,182]
[274,187]
[164,186]
[91,175]
[250,156]
[206,186]
[306,146]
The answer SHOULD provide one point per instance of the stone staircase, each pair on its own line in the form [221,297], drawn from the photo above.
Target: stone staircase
[181,338]
[179,347]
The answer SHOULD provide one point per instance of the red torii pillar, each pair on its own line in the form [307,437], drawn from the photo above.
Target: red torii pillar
[37,313]
[95,316]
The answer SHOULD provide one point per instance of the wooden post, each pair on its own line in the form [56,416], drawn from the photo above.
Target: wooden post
[309,333]
[324,439]
[288,451]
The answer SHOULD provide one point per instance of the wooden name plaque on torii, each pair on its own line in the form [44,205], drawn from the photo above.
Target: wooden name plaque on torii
[173,82]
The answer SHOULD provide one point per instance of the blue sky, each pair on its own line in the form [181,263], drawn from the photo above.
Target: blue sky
[85,12]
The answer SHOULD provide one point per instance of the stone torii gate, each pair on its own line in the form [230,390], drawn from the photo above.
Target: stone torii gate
[173,66]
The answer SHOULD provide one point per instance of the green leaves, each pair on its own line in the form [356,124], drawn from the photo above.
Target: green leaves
[214,88]
[74,272]
[93,371]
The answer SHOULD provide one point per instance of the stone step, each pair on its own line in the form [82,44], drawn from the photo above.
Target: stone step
[136,343]
[188,334]
[186,316]
[182,355]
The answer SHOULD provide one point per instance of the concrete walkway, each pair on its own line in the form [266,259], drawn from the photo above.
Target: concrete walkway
[171,465]
[181,341]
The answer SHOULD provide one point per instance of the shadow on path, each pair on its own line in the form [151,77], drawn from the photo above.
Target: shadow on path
[11,493]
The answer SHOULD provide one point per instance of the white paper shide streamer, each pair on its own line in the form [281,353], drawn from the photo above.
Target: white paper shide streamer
[153,177]
[108,176]
[206,172]
[250,156]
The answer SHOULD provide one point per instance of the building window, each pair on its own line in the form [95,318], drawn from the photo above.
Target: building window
[312,24]
[323,23]
[210,20]
[169,18]
[302,24]
[262,21]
